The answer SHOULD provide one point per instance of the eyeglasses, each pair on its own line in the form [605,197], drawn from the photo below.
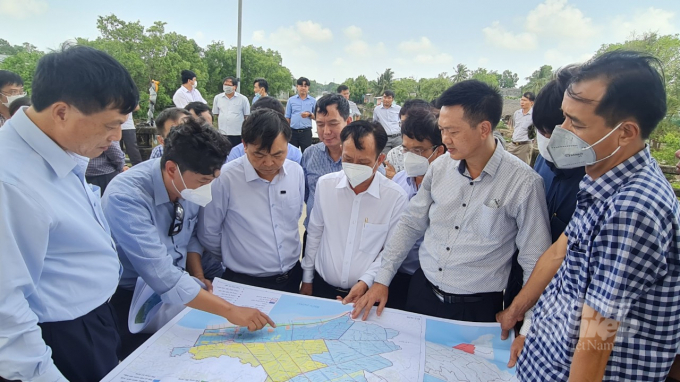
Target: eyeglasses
[13,93]
[416,151]
[177,219]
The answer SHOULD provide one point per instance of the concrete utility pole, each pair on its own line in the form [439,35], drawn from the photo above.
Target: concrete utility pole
[238,46]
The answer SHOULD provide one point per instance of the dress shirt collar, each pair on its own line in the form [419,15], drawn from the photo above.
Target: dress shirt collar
[184,89]
[609,183]
[491,166]
[250,172]
[373,189]
[160,193]
[60,161]
[236,94]
[328,154]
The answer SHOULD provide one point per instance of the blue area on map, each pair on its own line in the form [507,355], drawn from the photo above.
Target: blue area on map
[178,351]
[429,378]
[450,334]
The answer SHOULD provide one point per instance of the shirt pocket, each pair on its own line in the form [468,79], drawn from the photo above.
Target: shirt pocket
[295,108]
[191,225]
[491,219]
[373,238]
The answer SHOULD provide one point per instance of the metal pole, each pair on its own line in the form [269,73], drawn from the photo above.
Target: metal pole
[238,46]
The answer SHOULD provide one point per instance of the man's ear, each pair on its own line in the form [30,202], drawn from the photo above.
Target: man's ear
[349,120]
[631,133]
[171,167]
[381,159]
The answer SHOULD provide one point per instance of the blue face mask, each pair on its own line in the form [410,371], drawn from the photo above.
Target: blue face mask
[569,151]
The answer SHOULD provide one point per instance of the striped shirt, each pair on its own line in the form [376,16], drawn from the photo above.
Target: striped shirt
[623,260]
[111,160]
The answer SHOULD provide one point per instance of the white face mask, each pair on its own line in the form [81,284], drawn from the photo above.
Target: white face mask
[228,89]
[12,98]
[569,151]
[416,165]
[357,173]
[201,196]
[543,146]
[195,85]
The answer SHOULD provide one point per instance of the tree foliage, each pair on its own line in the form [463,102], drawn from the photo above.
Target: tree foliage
[508,79]
[538,79]
[486,76]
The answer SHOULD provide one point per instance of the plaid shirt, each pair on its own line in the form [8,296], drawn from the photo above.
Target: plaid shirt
[623,261]
[157,152]
[111,160]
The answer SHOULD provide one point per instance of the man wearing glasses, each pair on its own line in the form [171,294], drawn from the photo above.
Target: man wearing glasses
[421,145]
[153,211]
[11,88]
[252,222]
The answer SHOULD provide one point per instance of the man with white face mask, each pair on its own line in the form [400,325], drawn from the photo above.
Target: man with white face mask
[11,88]
[611,312]
[421,145]
[231,108]
[355,212]
[153,213]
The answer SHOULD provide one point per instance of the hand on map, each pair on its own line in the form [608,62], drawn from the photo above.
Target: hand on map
[377,293]
[208,284]
[516,349]
[306,289]
[508,318]
[355,293]
[252,318]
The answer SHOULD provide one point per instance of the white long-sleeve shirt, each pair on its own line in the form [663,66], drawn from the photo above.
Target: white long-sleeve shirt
[347,231]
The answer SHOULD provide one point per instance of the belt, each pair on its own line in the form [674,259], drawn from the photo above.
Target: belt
[279,279]
[301,130]
[451,298]
[521,143]
[318,277]
[394,135]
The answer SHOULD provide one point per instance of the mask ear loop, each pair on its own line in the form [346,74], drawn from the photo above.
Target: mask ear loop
[603,138]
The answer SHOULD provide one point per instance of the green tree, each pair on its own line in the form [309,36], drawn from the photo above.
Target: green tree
[405,88]
[432,88]
[484,75]
[508,79]
[23,64]
[538,79]
[383,82]
[462,73]
[358,87]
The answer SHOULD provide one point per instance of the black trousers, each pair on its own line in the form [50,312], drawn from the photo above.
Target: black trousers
[399,291]
[235,140]
[301,138]
[304,243]
[84,349]
[102,180]
[129,145]
[320,288]
[121,302]
[422,299]
[288,282]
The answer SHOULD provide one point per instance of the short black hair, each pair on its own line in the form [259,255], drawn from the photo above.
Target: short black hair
[480,101]
[262,128]
[234,80]
[412,103]
[10,78]
[548,105]
[530,96]
[324,102]
[342,88]
[388,93]
[302,80]
[198,107]
[261,82]
[17,103]
[635,88]
[187,75]
[357,130]
[169,114]
[422,124]
[196,147]
[268,102]
[86,78]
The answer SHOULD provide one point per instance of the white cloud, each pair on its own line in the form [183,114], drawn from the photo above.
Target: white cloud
[436,59]
[353,32]
[313,31]
[22,9]
[559,19]
[424,45]
[651,20]
[199,36]
[259,36]
[499,37]
[361,48]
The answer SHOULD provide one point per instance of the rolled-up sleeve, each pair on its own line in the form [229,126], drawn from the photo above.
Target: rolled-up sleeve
[210,217]
[137,239]
[24,234]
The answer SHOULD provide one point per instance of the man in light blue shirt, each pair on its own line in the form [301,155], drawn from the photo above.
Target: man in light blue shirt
[261,89]
[387,115]
[59,264]
[300,113]
[153,212]
[421,145]
[252,221]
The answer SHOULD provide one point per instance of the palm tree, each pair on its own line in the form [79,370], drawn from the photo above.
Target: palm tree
[538,79]
[384,82]
[462,73]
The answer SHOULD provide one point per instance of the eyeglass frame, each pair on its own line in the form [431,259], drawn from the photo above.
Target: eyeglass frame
[433,148]
[177,220]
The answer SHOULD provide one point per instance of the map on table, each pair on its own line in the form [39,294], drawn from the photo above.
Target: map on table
[315,340]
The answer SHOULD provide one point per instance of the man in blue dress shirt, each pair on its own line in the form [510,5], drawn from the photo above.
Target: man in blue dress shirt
[300,113]
[59,264]
[252,221]
[153,211]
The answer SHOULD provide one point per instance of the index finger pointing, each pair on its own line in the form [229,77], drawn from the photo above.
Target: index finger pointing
[269,320]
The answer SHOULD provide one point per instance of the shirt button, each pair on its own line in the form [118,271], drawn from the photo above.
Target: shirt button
[456,227]
[448,248]
[464,205]
[472,183]
[440,269]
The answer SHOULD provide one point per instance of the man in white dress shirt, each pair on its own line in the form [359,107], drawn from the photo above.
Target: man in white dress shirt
[188,92]
[252,221]
[355,211]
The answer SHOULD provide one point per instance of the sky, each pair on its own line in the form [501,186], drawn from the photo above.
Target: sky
[332,41]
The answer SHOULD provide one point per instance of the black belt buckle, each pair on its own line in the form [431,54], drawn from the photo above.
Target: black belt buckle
[340,290]
[282,279]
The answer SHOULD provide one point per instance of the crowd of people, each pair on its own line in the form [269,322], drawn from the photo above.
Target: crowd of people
[422,208]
